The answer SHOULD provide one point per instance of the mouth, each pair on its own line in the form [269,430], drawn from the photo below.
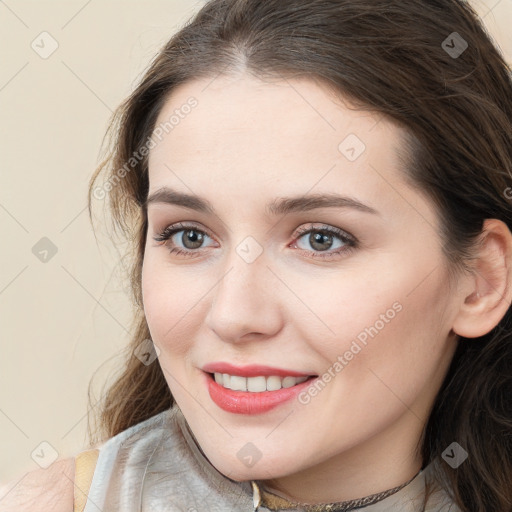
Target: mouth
[258,384]
[252,389]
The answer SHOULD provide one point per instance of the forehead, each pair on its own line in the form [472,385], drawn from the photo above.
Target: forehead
[281,117]
[271,138]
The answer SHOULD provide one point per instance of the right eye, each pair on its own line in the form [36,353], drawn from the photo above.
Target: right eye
[182,239]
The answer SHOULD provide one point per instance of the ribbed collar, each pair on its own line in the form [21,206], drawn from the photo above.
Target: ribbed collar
[262,497]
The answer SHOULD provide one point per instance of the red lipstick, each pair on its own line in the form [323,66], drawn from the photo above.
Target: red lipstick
[247,402]
[251,370]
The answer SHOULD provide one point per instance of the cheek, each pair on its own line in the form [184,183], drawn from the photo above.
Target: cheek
[381,321]
[348,309]
[401,351]
[171,305]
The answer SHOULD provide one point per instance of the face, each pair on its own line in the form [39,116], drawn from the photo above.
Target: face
[303,261]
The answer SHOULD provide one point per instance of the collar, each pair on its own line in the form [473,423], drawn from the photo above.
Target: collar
[263,498]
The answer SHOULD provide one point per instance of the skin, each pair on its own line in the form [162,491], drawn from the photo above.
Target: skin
[42,490]
[246,143]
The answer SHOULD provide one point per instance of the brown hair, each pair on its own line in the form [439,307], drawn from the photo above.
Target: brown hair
[400,59]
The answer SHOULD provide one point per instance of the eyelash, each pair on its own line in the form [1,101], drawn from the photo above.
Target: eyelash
[350,241]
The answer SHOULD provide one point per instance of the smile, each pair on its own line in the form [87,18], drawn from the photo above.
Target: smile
[256,384]
[253,395]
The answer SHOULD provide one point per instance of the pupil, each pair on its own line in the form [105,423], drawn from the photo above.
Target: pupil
[318,239]
[193,237]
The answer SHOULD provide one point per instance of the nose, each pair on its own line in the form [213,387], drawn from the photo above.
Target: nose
[245,303]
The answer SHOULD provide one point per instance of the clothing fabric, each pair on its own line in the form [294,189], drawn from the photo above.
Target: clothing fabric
[85,463]
[157,466]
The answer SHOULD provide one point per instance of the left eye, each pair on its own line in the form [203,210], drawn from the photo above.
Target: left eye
[325,239]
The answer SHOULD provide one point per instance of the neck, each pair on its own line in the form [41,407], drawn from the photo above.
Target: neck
[359,472]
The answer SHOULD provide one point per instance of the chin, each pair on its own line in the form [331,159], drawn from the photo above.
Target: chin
[261,470]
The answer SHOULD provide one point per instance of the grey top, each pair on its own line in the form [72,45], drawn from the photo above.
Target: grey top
[157,466]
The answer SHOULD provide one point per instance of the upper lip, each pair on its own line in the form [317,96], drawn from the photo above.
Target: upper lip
[251,370]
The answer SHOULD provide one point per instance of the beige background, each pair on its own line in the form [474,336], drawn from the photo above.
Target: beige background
[63,318]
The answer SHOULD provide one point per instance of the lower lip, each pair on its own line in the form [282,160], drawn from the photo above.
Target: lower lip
[246,402]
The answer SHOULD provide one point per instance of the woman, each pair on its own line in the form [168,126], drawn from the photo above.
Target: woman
[319,197]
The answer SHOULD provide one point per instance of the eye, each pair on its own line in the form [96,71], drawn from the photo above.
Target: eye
[183,239]
[324,239]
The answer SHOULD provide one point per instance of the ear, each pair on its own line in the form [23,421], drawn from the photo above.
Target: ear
[489,289]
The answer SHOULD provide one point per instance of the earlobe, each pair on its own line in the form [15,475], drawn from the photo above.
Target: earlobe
[490,284]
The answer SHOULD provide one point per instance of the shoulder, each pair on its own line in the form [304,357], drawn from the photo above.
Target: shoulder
[438,493]
[42,490]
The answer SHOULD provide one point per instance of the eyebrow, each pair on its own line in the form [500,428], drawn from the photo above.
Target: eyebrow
[280,206]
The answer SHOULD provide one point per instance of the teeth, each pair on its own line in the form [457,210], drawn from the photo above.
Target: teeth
[256,384]
[238,383]
[273,383]
[288,382]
